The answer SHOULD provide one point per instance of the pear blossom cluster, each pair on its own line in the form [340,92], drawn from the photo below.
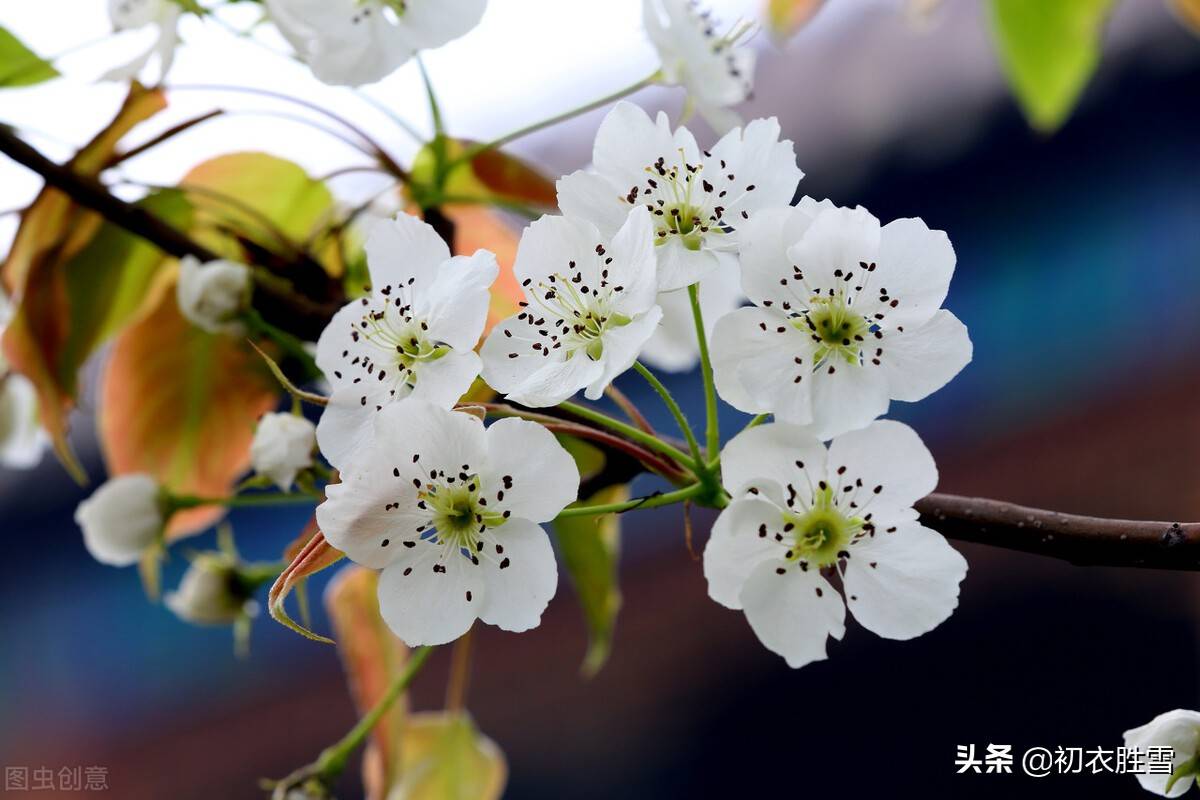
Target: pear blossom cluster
[666,250]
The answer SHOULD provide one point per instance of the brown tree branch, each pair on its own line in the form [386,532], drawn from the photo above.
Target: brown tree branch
[1081,540]
[304,314]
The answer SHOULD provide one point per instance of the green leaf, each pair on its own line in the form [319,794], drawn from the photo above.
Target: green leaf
[20,66]
[590,548]
[443,757]
[1049,50]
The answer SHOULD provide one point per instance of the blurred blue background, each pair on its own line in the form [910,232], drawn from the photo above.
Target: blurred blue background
[1078,276]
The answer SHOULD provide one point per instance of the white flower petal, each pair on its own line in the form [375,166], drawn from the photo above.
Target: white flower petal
[282,447]
[443,382]
[915,265]
[357,516]
[778,452]
[762,363]
[903,584]
[424,606]
[22,440]
[549,245]
[892,461]
[552,381]
[590,196]
[404,251]
[627,142]
[630,263]
[521,579]
[347,422]
[847,399]
[919,362]
[542,477]
[764,241]
[1179,730]
[679,267]
[837,240]
[622,346]
[759,159]
[735,548]
[455,305]
[794,613]
[432,23]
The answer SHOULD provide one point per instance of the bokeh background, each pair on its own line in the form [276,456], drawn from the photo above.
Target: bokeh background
[1079,273]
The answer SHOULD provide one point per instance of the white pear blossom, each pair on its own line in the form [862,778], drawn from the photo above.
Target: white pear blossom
[414,334]
[1180,731]
[283,446]
[355,42]
[450,512]
[213,295]
[674,347]
[698,199]
[847,318]
[801,511]
[122,519]
[133,14]
[589,310]
[713,64]
[211,592]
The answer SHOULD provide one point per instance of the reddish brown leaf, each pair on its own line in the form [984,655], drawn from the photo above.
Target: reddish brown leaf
[315,555]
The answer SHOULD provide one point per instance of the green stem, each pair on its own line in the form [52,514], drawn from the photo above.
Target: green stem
[631,432]
[651,501]
[710,390]
[472,152]
[674,408]
[332,760]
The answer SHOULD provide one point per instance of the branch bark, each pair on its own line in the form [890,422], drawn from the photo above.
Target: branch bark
[1081,540]
[301,314]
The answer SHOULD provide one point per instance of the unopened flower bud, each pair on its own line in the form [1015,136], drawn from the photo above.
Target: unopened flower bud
[212,296]
[283,446]
[211,592]
[122,519]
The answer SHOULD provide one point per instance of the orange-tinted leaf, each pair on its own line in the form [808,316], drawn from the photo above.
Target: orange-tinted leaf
[492,176]
[264,199]
[76,280]
[1188,12]
[786,17]
[372,657]
[479,228]
[313,556]
[181,404]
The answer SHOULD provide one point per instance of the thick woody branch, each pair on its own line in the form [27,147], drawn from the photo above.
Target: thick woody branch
[299,313]
[1081,540]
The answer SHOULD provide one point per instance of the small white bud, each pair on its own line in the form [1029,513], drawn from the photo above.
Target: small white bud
[283,445]
[210,593]
[122,519]
[213,295]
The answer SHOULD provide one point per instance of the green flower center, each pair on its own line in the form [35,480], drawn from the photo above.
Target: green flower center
[458,513]
[820,533]
[838,330]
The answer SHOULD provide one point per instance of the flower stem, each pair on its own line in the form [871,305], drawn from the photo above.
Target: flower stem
[650,501]
[631,410]
[332,760]
[713,431]
[630,432]
[286,341]
[460,673]
[472,152]
[674,408]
